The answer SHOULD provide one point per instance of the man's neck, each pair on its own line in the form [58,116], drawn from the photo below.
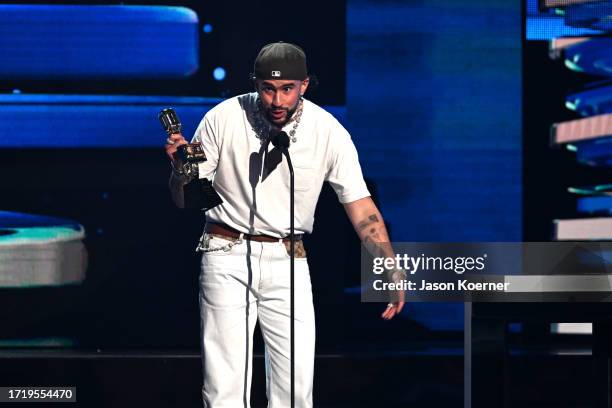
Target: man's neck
[288,121]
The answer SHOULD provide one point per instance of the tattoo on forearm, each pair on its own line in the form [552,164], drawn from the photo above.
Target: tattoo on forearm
[373,247]
[376,247]
[372,238]
[366,223]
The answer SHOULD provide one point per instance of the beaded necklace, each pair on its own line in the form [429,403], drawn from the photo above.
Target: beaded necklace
[262,127]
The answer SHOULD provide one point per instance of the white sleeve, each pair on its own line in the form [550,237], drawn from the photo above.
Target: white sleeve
[208,136]
[344,172]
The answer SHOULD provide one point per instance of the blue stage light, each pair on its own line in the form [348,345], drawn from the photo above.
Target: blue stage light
[122,121]
[97,42]
[207,28]
[219,74]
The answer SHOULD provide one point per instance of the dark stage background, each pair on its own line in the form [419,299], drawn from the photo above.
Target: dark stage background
[547,171]
[450,108]
[434,109]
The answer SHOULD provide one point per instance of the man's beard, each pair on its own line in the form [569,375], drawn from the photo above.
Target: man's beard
[288,115]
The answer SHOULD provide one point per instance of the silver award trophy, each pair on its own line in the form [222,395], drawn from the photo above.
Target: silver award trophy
[198,192]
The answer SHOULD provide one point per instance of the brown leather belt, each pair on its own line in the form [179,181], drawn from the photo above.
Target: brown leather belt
[227,231]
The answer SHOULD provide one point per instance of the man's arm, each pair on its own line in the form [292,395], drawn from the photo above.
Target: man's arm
[176,181]
[176,184]
[370,227]
[206,135]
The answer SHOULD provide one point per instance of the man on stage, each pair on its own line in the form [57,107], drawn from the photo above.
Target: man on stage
[245,246]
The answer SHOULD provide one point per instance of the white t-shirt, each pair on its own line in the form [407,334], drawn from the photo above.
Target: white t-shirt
[253,178]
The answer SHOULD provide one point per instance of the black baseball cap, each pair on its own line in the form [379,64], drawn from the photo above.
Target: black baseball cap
[280,60]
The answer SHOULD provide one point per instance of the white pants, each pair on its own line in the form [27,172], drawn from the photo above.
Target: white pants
[242,285]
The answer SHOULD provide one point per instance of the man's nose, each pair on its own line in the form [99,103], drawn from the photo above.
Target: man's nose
[276,101]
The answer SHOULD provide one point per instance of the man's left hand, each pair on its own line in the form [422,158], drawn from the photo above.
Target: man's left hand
[394,308]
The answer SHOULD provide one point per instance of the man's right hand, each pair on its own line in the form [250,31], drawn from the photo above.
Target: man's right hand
[172,144]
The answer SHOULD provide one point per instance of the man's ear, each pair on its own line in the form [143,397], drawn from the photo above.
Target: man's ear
[254,82]
[304,86]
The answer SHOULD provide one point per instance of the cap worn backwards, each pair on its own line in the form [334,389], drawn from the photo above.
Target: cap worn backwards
[281,60]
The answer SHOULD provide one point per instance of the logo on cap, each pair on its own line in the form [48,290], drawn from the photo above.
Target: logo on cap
[276,74]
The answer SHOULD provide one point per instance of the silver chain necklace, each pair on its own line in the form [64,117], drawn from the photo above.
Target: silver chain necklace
[262,127]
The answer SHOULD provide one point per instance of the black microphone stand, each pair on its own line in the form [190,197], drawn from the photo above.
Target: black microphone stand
[281,141]
[292,271]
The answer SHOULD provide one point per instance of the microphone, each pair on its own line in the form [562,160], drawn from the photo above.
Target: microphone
[281,141]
